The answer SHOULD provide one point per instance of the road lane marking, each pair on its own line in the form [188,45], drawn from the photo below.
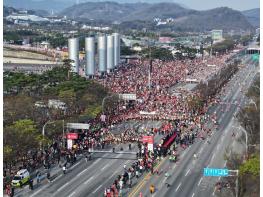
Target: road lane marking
[187,172]
[97,189]
[214,191]
[178,187]
[212,157]
[63,186]
[193,194]
[225,164]
[57,177]
[200,181]
[40,190]
[143,181]
[76,164]
[111,176]
[89,180]
[201,150]
[82,172]
[104,167]
[72,194]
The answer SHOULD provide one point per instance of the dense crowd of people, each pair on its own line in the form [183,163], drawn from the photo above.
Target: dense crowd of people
[156,101]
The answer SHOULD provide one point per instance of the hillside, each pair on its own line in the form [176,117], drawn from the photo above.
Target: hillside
[253,16]
[219,18]
[107,11]
[9,10]
[183,18]
[49,5]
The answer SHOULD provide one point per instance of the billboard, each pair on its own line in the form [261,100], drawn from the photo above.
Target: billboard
[128,97]
[78,126]
[72,136]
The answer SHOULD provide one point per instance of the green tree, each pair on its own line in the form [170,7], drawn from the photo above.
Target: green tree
[19,138]
[67,65]
[251,166]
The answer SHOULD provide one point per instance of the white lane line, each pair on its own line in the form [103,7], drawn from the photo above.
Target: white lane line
[72,194]
[213,157]
[200,181]
[187,172]
[76,164]
[57,177]
[104,167]
[217,147]
[82,172]
[214,191]
[193,194]
[178,187]
[111,176]
[201,150]
[225,164]
[89,180]
[97,189]
[40,190]
[63,186]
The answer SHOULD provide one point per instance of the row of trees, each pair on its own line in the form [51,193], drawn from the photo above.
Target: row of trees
[23,121]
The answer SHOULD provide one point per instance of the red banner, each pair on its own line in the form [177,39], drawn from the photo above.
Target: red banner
[148,139]
[72,136]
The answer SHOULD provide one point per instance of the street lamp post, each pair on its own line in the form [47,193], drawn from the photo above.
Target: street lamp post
[237,172]
[43,129]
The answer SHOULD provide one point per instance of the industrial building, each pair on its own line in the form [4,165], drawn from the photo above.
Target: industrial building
[90,56]
[110,53]
[116,49]
[73,50]
[102,52]
[108,56]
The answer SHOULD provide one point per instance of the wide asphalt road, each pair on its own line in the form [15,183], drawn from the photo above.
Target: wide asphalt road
[91,178]
[186,176]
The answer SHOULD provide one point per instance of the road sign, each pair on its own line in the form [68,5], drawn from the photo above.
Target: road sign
[215,172]
[148,139]
[72,136]
[255,57]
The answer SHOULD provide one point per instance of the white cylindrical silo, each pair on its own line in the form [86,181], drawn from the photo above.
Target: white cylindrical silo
[116,49]
[110,52]
[102,49]
[73,50]
[90,56]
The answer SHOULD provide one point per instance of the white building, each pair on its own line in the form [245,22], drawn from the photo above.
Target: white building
[217,35]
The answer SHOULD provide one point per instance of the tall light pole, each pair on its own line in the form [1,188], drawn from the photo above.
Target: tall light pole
[43,130]
[237,172]
[50,122]
[244,131]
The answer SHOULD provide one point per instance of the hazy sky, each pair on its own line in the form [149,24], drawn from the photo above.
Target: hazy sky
[208,4]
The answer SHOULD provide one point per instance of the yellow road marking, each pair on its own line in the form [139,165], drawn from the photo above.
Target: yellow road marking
[144,180]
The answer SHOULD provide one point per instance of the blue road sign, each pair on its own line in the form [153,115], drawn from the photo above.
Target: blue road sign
[215,172]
